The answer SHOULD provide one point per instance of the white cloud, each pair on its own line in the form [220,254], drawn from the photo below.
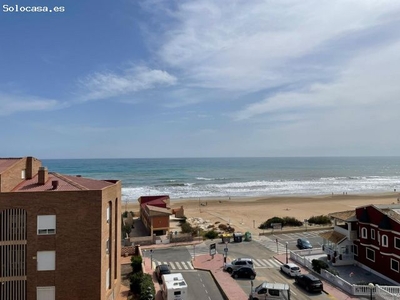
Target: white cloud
[10,103]
[253,45]
[110,84]
[368,83]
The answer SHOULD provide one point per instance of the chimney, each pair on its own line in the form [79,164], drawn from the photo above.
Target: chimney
[29,167]
[43,175]
[54,184]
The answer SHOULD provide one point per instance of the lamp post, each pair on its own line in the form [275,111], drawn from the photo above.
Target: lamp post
[286,252]
[371,288]
[151,259]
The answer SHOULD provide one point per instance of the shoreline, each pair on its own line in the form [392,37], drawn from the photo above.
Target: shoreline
[265,197]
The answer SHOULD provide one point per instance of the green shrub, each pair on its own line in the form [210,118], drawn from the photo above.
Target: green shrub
[186,228]
[145,286]
[317,265]
[223,227]
[126,230]
[267,224]
[125,214]
[135,281]
[212,234]
[136,264]
[291,221]
[320,220]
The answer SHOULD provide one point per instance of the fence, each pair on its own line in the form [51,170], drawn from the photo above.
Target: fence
[379,292]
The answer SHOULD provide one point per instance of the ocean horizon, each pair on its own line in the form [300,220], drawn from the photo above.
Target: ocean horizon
[193,178]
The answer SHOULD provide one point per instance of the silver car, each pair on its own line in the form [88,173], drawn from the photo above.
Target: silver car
[238,263]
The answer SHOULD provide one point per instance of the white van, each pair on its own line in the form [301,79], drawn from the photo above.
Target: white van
[268,290]
[174,287]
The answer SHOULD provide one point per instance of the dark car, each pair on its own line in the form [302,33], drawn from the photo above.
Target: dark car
[161,270]
[309,282]
[244,272]
[303,244]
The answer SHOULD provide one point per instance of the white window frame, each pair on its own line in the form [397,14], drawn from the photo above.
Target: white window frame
[46,224]
[385,240]
[108,214]
[391,265]
[46,260]
[395,242]
[364,233]
[366,254]
[23,174]
[372,234]
[46,293]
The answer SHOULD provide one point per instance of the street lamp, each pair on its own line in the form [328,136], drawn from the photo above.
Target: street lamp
[151,259]
[286,252]
[371,288]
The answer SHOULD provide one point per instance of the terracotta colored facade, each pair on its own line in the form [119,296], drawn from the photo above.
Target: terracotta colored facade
[154,213]
[86,240]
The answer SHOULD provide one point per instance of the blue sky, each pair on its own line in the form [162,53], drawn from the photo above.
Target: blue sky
[200,79]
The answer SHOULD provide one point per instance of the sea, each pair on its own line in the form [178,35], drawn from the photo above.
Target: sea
[195,178]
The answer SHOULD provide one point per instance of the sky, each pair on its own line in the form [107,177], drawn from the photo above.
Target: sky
[152,78]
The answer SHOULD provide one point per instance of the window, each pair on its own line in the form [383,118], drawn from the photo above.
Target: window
[274,292]
[370,254]
[108,214]
[46,224]
[397,242]
[384,240]
[108,281]
[373,234]
[355,250]
[364,233]
[23,175]
[394,265]
[108,246]
[46,260]
[46,293]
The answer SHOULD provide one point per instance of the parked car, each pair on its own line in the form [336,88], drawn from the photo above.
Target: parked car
[238,263]
[291,269]
[244,272]
[303,244]
[309,282]
[161,270]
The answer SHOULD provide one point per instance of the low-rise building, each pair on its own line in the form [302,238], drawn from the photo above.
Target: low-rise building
[60,235]
[368,236]
[154,213]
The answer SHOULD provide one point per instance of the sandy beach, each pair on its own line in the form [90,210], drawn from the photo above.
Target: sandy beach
[246,214]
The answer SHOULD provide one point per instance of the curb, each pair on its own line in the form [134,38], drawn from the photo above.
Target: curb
[216,282]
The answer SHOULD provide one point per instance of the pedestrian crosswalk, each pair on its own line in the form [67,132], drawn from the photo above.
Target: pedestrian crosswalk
[272,244]
[187,265]
[200,249]
[174,265]
[266,263]
[263,263]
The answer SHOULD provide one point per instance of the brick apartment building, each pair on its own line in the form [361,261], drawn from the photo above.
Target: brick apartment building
[59,234]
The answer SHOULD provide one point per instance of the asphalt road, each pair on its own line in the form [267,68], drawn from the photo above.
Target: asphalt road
[201,285]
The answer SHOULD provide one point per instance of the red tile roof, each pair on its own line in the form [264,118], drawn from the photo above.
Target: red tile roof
[65,183]
[5,163]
